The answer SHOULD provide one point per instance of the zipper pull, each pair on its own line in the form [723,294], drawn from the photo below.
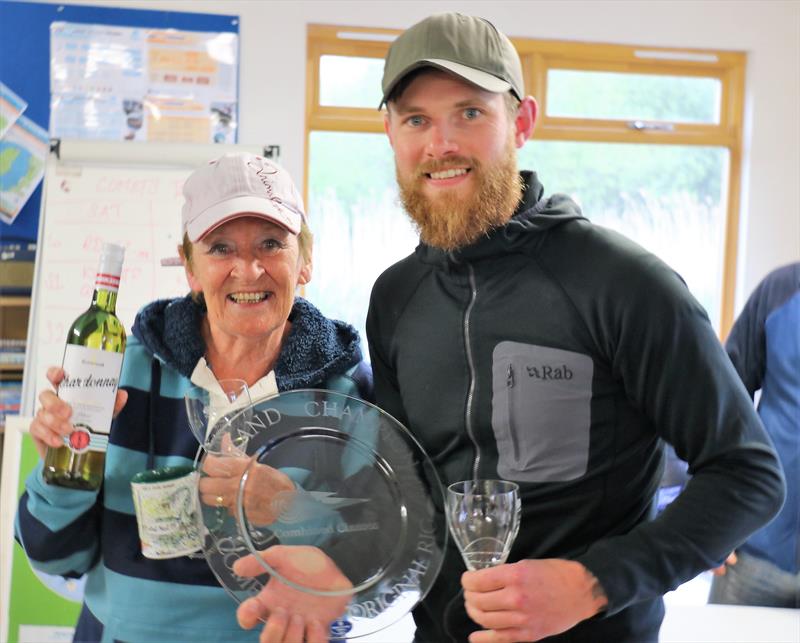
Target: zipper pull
[510,377]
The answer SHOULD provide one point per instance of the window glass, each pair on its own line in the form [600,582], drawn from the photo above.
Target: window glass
[670,199]
[359,226]
[653,186]
[349,81]
[624,96]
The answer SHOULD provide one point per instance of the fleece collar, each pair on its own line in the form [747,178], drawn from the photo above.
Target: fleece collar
[316,348]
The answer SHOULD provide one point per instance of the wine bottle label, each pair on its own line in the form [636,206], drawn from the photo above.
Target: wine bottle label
[90,387]
[82,440]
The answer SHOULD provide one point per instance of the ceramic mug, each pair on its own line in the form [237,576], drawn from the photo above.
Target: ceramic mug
[167,511]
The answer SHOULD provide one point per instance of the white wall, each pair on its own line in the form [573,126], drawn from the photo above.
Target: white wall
[273,54]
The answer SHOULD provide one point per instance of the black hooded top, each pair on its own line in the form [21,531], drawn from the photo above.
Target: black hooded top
[559,354]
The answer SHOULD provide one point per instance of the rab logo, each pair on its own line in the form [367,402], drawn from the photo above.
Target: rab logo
[78,440]
[547,372]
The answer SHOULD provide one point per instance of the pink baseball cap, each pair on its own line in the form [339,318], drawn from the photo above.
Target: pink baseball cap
[236,185]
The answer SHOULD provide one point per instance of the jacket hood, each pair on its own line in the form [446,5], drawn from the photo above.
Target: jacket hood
[316,348]
[535,214]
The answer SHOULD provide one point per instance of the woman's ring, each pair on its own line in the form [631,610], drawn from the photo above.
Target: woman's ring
[220,501]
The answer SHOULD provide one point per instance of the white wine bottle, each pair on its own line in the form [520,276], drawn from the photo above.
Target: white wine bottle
[92,364]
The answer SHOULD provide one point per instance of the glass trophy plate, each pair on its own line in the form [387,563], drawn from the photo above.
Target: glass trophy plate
[363,497]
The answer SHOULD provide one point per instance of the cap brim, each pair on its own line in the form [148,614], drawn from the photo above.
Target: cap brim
[242,206]
[475,76]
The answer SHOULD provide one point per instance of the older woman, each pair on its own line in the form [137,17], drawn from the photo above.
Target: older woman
[246,249]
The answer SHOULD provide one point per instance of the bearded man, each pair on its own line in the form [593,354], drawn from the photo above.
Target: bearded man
[519,341]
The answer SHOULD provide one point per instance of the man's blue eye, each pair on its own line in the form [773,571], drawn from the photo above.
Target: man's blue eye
[415,121]
[471,113]
[218,249]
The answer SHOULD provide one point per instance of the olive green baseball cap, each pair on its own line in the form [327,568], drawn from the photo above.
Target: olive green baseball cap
[467,46]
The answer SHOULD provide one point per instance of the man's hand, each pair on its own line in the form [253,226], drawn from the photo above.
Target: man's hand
[730,560]
[52,421]
[530,600]
[292,615]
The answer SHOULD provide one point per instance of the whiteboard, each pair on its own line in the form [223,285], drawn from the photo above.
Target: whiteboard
[94,192]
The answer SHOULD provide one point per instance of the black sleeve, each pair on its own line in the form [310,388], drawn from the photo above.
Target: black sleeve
[673,368]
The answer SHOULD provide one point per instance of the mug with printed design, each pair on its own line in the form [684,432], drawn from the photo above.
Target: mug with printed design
[167,511]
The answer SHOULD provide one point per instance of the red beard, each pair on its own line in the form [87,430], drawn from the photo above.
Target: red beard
[451,221]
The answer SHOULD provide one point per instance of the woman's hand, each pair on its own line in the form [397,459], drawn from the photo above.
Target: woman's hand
[292,615]
[267,491]
[51,424]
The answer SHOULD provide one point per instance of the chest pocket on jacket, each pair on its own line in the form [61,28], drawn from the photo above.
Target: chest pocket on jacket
[541,412]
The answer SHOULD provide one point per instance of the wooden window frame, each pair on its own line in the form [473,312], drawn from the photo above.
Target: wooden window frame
[540,56]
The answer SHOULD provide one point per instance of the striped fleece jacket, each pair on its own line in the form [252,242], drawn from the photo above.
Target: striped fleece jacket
[73,532]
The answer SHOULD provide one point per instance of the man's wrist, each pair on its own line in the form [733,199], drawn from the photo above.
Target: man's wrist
[596,600]
[598,594]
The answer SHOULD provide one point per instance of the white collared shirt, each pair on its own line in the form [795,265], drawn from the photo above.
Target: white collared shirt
[203,377]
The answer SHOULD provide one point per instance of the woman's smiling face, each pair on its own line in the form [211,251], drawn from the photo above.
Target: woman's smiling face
[248,270]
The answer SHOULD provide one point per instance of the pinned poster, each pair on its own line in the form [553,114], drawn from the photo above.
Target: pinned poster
[23,152]
[133,84]
[11,108]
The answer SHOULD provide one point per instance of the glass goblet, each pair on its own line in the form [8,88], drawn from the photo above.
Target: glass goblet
[206,409]
[483,516]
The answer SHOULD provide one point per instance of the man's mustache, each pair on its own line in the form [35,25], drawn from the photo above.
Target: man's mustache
[450,163]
